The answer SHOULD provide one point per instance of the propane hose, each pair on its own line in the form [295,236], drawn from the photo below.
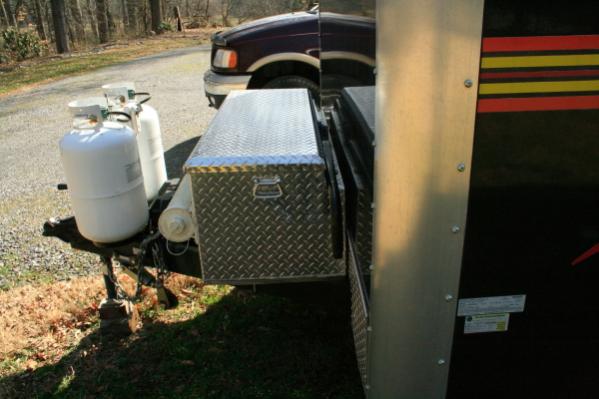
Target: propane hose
[118,113]
[145,100]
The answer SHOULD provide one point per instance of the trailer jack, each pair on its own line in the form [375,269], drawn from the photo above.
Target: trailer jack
[118,314]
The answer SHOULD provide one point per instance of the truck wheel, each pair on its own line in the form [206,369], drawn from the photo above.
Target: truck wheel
[293,82]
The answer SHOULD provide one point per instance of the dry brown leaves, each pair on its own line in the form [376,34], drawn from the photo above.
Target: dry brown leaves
[41,322]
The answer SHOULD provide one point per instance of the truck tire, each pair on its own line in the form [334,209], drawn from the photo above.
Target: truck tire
[293,82]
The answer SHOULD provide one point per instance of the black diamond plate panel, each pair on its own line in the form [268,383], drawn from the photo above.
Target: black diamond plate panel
[359,315]
[363,231]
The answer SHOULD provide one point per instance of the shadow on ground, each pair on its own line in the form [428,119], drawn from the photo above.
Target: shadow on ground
[282,342]
[176,156]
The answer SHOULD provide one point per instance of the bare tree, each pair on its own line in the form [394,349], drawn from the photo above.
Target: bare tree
[145,13]
[6,13]
[77,20]
[15,13]
[11,16]
[156,10]
[59,22]
[125,15]
[110,19]
[39,19]
[225,10]
[177,14]
[47,8]
[92,19]
[133,15]
[102,19]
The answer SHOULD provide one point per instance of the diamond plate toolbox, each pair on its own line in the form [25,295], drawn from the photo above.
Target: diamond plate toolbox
[260,191]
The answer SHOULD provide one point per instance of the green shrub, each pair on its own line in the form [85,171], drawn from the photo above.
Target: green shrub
[165,26]
[20,45]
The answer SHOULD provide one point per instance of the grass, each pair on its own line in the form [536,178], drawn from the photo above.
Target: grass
[220,342]
[44,70]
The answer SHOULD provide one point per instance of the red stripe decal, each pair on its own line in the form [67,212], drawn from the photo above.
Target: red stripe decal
[561,103]
[540,43]
[539,74]
[591,252]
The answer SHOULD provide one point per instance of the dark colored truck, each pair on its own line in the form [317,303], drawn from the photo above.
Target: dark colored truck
[284,51]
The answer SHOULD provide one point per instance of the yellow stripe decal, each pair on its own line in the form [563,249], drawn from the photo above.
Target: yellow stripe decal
[539,87]
[540,61]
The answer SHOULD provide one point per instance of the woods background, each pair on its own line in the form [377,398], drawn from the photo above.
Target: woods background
[31,27]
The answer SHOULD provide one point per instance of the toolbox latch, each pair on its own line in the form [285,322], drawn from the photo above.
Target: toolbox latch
[267,187]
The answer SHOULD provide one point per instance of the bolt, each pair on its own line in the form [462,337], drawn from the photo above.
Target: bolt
[461,167]
[441,362]
[448,297]
[455,229]
[368,328]
[371,267]
[373,143]
[367,387]
[468,83]
[372,205]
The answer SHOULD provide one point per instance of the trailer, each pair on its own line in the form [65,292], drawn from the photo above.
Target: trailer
[458,196]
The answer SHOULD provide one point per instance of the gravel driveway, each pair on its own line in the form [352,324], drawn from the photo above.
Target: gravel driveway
[32,123]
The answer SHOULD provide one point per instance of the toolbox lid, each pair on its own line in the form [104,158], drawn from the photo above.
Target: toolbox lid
[361,105]
[256,128]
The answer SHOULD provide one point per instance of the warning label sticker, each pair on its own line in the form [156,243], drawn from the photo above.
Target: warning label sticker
[491,304]
[133,171]
[486,323]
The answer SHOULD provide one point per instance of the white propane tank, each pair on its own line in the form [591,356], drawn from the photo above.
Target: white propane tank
[121,97]
[176,222]
[103,173]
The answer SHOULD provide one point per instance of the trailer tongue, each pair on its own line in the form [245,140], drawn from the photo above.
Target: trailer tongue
[260,202]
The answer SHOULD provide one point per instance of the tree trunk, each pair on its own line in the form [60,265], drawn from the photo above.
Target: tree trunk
[59,22]
[206,12]
[125,13]
[69,19]
[77,18]
[156,11]
[92,18]
[146,16]
[47,6]
[15,13]
[5,13]
[110,19]
[102,21]
[11,15]
[39,20]
[225,7]
[133,17]
[178,17]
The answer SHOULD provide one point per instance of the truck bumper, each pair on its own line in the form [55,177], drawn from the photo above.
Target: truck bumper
[217,86]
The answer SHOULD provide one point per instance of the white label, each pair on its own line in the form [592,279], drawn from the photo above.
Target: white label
[486,323]
[133,171]
[491,304]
